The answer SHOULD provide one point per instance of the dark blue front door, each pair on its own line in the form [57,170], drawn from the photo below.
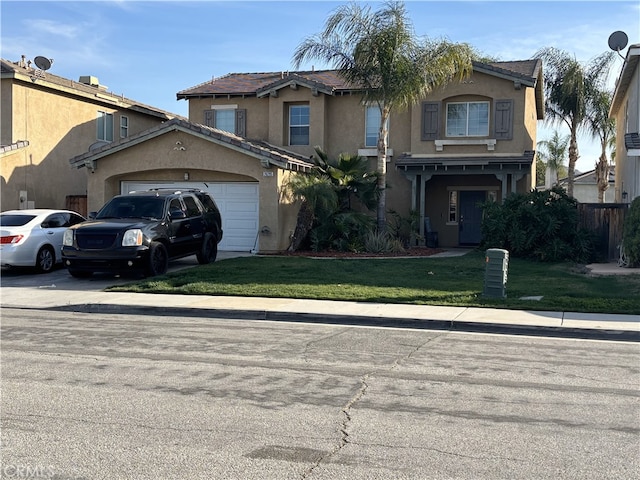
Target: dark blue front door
[470,217]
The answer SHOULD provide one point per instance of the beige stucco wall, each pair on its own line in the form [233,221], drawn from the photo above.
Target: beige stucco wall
[58,126]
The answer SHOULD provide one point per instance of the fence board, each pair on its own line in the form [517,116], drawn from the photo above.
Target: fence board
[606,222]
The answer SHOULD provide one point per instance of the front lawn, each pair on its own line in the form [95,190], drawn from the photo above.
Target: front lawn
[454,281]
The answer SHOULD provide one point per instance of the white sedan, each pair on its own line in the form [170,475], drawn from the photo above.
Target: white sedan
[33,238]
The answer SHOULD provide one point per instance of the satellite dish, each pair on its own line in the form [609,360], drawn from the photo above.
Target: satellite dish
[617,41]
[45,64]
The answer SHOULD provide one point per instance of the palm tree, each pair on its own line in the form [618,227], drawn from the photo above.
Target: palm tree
[569,87]
[351,177]
[317,195]
[553,153]
[379,53]
[600,126]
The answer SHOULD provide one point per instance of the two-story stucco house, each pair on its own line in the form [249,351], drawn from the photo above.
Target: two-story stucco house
[247,132]
[45,121]
[625,109]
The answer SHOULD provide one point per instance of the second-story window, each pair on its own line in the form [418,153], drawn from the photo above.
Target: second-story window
[299,125]
[372,126]
[105,126]
[124,126]
[225,120]
[228,118]
[467,119]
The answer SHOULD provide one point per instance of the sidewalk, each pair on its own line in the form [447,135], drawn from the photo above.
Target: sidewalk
[490,320]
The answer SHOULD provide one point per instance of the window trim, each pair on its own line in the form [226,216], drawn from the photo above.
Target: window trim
[301,125]
[366,125]
[102,126]
[124,126]
[467,135]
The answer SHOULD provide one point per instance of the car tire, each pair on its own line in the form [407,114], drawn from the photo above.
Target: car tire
[45,260]
[80,273]
[209,250]
[158,261]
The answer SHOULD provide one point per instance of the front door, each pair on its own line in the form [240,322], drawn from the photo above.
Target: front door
[470,217]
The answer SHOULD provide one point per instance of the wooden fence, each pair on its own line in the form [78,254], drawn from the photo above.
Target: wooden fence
[77,203]
[606,222]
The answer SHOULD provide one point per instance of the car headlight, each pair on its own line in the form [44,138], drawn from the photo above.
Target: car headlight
[67,238]
[132,238]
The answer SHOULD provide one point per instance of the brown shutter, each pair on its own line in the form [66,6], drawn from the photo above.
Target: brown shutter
[210,118]
[430,121]
[504,120]
[241,122]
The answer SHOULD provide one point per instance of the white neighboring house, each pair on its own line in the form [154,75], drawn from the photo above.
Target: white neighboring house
[585,186]
[625,108]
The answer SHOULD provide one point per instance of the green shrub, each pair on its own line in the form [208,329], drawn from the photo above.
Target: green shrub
[541,225]
[631,236]
[382,242]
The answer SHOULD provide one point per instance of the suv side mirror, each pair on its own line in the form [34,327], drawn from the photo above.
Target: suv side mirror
[92,215]
[176,214]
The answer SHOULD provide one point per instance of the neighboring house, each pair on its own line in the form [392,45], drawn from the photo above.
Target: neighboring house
[585,186]
[470,142]
[45,121]
[625,109]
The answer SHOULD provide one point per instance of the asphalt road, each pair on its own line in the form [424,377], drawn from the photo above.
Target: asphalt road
[88,396]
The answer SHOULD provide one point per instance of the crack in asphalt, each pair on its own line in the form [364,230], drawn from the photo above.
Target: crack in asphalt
[346,409]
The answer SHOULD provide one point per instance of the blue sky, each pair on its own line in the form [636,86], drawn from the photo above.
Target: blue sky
[150,50]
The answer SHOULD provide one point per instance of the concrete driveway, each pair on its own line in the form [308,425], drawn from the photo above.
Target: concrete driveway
[59,279]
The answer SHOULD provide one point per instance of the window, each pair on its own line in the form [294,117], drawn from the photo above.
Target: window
[228,118]
[225,120]
[192,206]
[105,126]
[453,206]
[372,126]
[124,126]
[299,125]
[468,119]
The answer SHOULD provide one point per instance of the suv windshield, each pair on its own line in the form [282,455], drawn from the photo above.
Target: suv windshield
[133,207]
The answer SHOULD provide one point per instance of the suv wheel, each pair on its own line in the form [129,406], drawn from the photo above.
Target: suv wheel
[158,260]
[209,250]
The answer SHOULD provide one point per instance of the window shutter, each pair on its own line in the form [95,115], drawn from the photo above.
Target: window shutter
[430,120]
[210,118]
[241,122]
[504,120]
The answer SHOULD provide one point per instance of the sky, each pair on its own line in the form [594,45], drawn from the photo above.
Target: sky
[151,50]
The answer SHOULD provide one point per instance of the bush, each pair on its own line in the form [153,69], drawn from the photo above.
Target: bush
[542,225]
[631,235]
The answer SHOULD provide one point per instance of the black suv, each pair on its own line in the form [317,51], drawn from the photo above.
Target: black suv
[141,231]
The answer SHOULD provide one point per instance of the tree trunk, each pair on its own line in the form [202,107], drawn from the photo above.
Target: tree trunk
[573,158]
[304,223]
[382,171]
[602,176]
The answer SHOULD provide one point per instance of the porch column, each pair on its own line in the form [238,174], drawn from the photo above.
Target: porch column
[503,182]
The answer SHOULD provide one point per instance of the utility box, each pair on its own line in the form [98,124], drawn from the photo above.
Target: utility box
[495,275]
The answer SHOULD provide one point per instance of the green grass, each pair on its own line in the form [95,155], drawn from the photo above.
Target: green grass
[453,281]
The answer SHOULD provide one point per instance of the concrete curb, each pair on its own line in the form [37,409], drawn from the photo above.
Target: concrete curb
[453,325]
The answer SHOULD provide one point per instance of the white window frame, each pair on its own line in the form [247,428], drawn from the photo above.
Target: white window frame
[124,126]
[104,126]
[468,121]
[299,125]
[228,121]
[369,128]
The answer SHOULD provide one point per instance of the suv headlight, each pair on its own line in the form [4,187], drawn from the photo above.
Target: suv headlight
[67,238]
[132,238]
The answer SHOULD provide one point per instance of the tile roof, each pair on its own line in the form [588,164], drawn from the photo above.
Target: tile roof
[96,93]
[267,153]
[250,84]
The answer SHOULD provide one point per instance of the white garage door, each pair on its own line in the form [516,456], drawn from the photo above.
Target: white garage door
[238,204]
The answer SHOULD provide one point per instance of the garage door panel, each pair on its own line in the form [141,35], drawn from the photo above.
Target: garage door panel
[238,204]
